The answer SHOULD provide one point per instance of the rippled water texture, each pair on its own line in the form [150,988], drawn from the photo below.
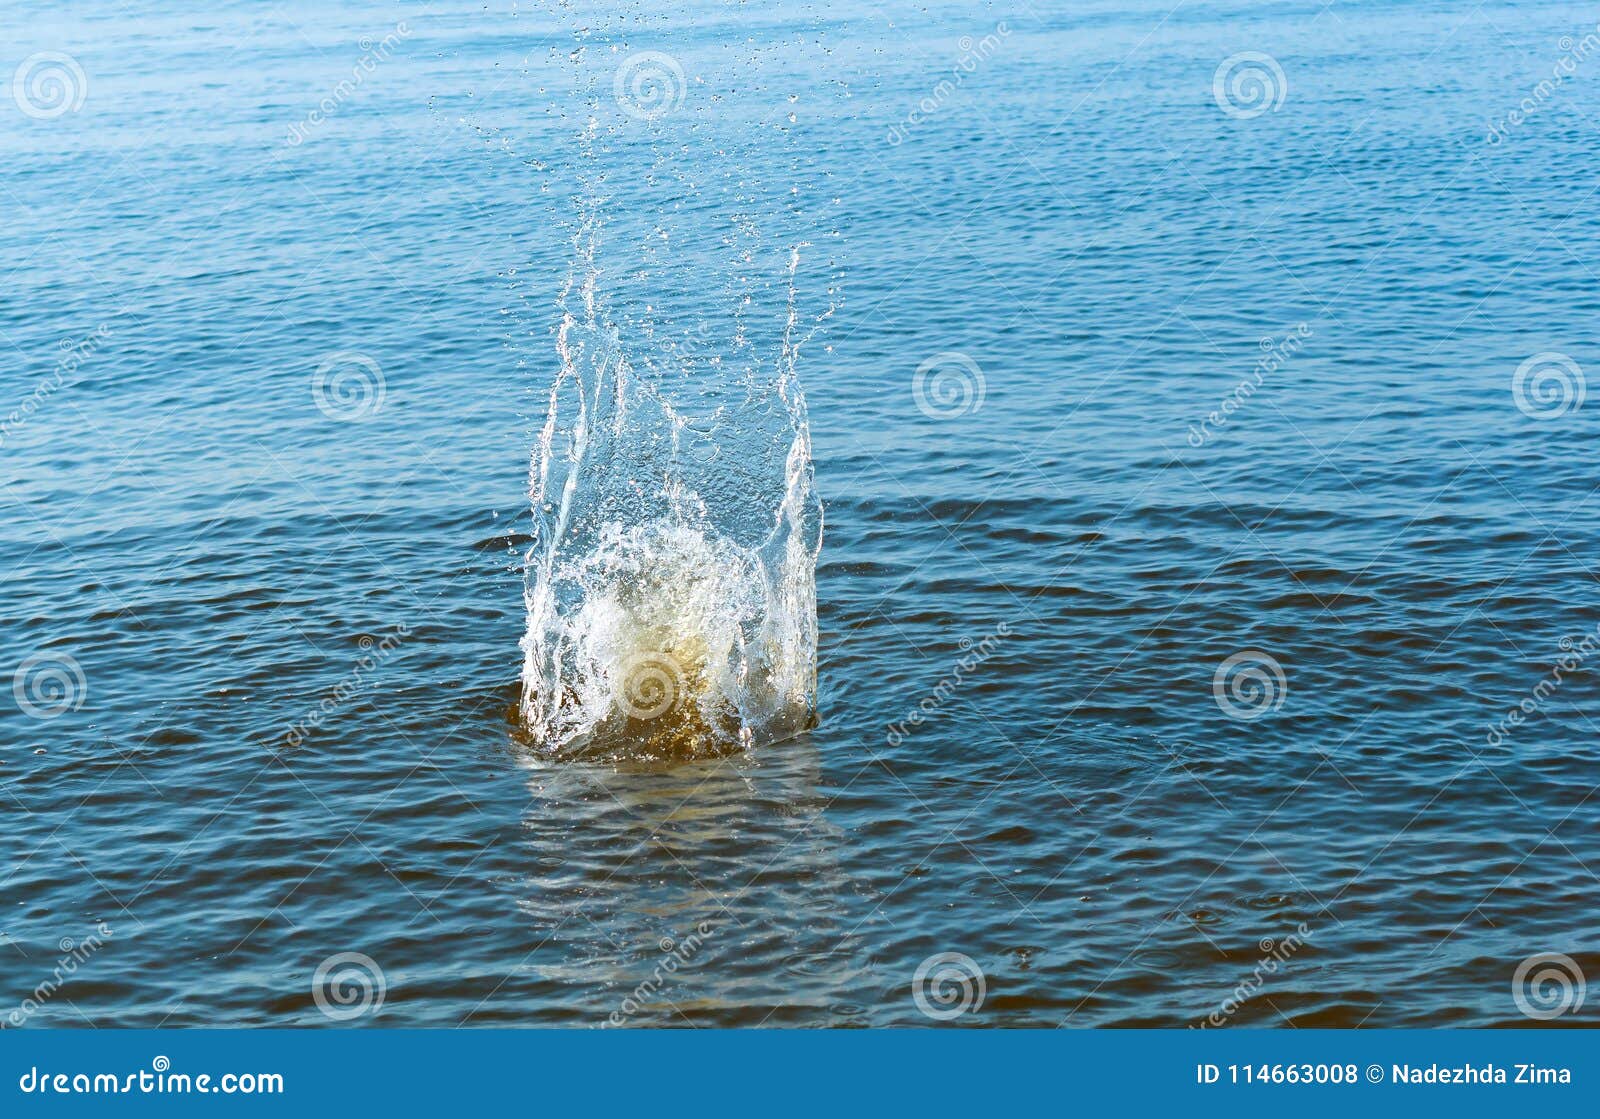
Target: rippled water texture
[1206,616]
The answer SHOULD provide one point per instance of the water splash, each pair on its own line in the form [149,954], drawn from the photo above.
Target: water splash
[670,582]
[671,594]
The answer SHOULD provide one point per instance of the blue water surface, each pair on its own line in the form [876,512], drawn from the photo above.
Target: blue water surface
[1208,587]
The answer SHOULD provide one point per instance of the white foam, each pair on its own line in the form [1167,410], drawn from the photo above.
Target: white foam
[671,594]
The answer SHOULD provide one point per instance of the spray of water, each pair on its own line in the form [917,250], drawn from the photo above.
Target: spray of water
[670,579]
[671,594]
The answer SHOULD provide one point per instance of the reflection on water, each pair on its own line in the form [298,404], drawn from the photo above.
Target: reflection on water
[679,888]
